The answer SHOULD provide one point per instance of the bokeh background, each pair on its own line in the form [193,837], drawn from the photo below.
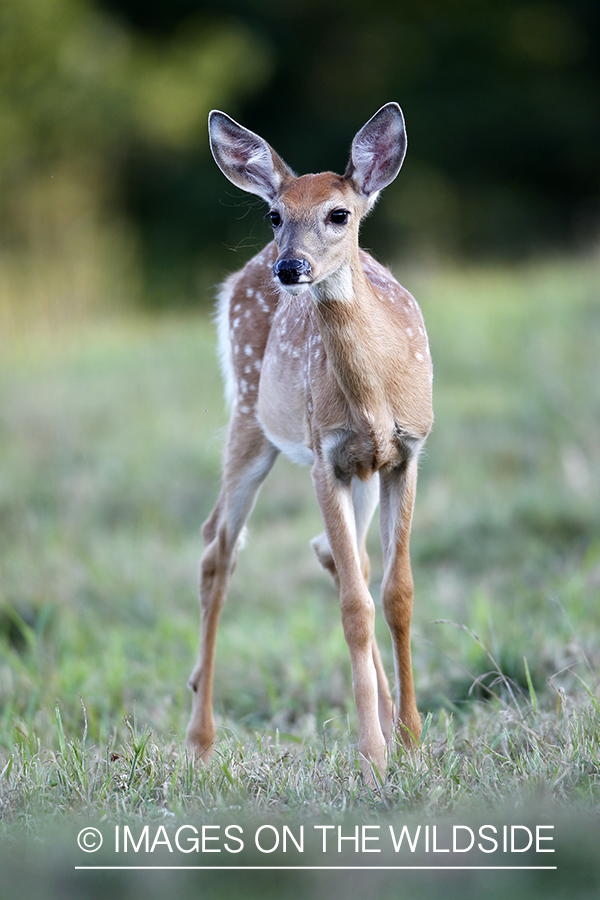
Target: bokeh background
[115,227]
[108,191]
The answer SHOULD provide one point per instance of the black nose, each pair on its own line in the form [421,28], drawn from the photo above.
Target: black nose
[289,270]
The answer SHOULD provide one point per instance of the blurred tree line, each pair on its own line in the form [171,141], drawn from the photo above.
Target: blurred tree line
[109,190]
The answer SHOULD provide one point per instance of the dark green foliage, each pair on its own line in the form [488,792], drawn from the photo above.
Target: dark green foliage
[500,100]
[103,126]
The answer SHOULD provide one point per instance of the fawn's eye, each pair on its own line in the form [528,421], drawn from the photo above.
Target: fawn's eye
[339,216]
[274,218]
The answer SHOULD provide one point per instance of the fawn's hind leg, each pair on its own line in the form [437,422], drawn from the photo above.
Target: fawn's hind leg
[249,457]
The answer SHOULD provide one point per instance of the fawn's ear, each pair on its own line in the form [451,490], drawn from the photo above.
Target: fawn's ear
[245,158]
[378,151]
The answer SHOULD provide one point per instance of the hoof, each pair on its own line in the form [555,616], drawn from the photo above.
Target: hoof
[201,746]
[373,771]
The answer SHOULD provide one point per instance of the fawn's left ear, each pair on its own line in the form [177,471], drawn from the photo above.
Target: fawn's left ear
[245,158]
[378,151]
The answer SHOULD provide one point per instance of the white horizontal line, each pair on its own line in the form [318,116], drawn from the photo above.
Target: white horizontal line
[336,868]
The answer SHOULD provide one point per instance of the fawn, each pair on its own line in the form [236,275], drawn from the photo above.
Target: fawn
[326,359]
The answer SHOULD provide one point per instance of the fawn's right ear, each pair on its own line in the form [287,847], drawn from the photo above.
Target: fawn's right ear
[245,158]
[378,152]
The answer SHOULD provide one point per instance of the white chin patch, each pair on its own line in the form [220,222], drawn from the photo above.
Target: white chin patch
[294,289]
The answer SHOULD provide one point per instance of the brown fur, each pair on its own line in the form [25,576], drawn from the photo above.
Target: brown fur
[336,372]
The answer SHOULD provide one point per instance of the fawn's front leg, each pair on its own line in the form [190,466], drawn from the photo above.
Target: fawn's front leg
[396,506]
[365,496]
[357,610]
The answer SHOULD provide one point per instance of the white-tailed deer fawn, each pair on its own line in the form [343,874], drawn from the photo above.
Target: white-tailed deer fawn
[326,359]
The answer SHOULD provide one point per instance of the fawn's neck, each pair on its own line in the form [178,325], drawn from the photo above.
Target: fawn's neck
[358,335]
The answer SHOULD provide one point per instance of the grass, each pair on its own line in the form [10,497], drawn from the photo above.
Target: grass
[110,441]
[514,754]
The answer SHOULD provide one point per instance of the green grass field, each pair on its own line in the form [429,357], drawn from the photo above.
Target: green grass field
[110,442]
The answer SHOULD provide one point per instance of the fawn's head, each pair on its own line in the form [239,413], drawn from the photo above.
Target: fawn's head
[315,218]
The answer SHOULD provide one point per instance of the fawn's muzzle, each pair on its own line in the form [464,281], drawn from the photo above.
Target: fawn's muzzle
[291,271]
